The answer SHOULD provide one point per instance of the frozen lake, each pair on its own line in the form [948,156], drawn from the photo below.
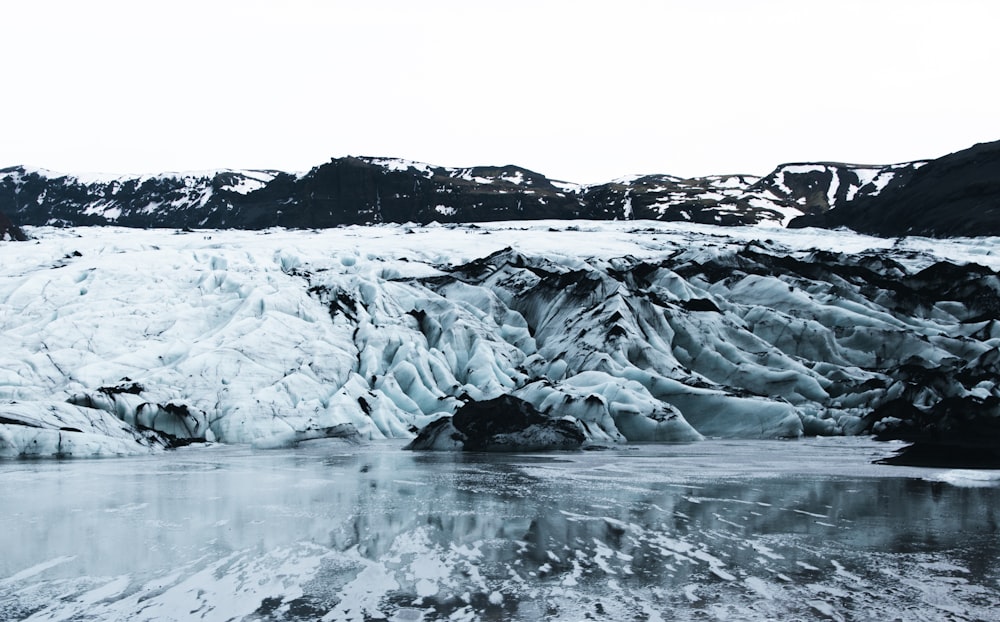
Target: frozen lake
[721,530]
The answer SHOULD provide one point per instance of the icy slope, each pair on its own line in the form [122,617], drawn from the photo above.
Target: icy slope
[638,331]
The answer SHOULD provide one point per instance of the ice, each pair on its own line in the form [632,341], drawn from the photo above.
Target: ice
[641,331]
[967,478]
[330,531]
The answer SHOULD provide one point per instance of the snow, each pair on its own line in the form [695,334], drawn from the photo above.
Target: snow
[174,189]
[399,165]
[882,180]
[732,181]
[249,181]
[627,180]
[831,192]
[249,177]
[567,186]
[787,213]
[85,178]
[277,337]
[866,175]
[800,169]
[517,178]
[479,180]
[627,206]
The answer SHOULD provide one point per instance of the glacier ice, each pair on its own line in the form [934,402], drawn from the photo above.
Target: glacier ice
[127,341]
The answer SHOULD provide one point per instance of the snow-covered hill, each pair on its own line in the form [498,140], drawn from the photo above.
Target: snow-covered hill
[790,191]
[955,195]
[376,190]
[39,196]
[120,340]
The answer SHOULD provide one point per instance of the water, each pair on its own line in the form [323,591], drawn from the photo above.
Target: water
[328,531]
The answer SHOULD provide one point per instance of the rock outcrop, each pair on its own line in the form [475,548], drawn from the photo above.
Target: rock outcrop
[9,231]
[505,423]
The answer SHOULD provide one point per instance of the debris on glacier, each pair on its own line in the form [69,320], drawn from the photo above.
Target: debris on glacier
[505,423]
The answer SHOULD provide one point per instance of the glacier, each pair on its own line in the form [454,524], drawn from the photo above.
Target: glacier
[129,341]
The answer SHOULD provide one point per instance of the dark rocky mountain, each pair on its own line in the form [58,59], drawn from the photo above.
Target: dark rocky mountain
[37,196]
[956,195]
[372,190]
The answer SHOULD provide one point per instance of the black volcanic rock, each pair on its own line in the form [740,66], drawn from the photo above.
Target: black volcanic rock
[956,195]
[10,231]
[506,423]
[945,456]
[957,432]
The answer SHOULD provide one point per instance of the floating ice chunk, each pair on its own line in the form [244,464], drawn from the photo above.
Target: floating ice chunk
[967,478]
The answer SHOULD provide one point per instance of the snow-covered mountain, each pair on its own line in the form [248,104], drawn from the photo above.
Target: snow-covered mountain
[122,340]
[955,195]
[375,190]
[39,196]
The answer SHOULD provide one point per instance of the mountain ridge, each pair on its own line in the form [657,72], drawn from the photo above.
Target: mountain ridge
[954,195]
[371,190]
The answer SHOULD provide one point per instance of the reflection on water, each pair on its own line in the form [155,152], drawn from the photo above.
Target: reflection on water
[714,530]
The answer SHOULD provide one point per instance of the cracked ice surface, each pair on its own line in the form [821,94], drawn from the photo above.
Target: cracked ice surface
[717,530]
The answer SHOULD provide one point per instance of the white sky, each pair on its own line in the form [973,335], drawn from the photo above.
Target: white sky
[581,91]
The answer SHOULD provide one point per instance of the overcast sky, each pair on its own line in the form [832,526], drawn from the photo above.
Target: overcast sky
[580,91]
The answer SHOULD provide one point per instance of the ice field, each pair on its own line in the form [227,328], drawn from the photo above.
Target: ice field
[717,530]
